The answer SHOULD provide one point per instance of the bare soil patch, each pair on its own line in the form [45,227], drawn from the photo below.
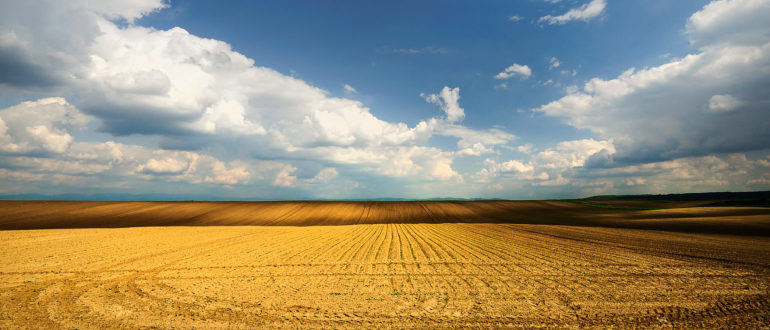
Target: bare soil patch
[175,265]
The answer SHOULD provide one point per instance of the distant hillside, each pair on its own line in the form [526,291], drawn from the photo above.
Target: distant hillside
[752,198]
[616,214]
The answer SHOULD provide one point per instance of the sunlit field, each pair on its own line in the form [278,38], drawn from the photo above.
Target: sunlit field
[413,272]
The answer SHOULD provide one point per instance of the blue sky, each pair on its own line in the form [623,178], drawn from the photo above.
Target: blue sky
[390,52]
[410,99]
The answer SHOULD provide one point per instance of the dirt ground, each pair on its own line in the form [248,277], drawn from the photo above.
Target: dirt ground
[383,275]
[86,214]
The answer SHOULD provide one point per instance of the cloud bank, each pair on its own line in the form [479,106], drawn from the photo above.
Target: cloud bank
[214,116]
[121,107]
[704,103]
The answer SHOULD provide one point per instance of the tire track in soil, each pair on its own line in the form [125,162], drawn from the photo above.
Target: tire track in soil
[254,310]
[428,254]
[65,301]
[129,280]
[23,298]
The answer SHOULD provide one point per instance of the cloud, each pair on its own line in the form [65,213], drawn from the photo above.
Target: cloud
[447,100]
[515,18]
[557,164]
[163,166]
[554,63]
[34,53]
[511,166]
[723,103]
[525,148]
[584,13]
[444,171]
[39,127]
[127,162]
[703,173]
[713,101]
[37,140]
[227,117]
[475,142]
[349,89]
[417,51]
[235,173]
[477,149]
[515,70]
[324,176]
[566,169]
[195,94]
[729,23]
[150,82]
[120,9]
[192,114]
[575,153]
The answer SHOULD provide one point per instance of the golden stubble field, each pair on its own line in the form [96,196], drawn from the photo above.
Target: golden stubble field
[387,274]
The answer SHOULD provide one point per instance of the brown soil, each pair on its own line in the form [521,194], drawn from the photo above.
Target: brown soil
[414,272]
[66,214]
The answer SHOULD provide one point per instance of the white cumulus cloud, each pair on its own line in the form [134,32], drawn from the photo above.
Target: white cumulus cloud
[447,99]
[196,93]
[584,13]
[515,70]
[40,126]
[657,113]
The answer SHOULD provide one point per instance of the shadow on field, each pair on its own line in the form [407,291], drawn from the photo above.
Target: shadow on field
[88,214]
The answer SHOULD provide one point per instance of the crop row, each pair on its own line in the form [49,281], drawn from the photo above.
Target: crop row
[407,274]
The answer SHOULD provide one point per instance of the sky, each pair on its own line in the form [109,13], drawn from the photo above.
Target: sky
[276,100]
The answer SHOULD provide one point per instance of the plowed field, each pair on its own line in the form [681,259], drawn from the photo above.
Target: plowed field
[386,274]
[64,214]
